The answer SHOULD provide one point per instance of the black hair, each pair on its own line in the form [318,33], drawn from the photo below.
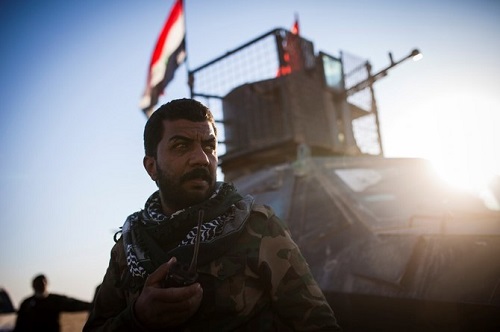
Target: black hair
[39,283]
[188,109]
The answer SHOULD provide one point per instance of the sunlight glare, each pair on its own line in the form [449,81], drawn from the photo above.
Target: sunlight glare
[467,141]
[458,133]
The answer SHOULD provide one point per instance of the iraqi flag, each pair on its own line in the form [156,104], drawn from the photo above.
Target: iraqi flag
[168,55]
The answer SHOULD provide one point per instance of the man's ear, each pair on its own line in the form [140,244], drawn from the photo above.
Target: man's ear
[150,166]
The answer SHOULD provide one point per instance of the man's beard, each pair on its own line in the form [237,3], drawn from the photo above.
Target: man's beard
[175,196]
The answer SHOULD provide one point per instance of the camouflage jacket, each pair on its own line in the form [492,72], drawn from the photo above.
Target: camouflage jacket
[261,283]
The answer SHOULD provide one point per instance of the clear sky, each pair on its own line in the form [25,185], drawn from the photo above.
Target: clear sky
[72,73]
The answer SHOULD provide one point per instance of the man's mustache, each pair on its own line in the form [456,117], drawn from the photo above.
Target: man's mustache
[198,173]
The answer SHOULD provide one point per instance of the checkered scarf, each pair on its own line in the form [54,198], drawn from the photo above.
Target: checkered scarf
[184,222]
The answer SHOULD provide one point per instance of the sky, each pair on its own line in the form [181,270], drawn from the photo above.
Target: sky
[72,74]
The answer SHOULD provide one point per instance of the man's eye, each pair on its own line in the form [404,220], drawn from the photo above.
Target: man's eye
[210,147]
[180,146]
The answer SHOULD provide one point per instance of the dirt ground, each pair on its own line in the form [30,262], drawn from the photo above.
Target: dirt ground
[70,321]
[73,321]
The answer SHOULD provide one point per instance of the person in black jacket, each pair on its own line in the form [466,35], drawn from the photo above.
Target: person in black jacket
[40,312]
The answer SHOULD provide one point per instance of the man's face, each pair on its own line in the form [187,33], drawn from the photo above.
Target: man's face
[186,164]
[40,285]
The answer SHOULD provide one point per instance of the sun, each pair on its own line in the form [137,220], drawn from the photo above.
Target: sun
[467,152]
[459,134]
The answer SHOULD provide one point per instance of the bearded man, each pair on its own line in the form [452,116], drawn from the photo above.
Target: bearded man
[248,274]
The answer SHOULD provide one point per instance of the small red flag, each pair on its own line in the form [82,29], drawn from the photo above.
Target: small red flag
[292,54]
[295,27]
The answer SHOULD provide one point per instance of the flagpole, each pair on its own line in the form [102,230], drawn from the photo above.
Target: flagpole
[189,76]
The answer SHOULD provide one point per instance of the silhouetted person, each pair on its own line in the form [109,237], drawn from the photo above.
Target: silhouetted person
[41,311]
[5,302]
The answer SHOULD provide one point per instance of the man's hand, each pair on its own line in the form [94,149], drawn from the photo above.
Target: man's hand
[159,307]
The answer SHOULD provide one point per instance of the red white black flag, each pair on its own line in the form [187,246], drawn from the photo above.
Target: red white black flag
[168,55]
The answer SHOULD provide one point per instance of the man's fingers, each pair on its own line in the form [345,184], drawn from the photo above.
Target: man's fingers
[159,275]
[184,294]
[183,302]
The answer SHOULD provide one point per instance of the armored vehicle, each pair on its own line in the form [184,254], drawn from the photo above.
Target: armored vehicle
[392,247]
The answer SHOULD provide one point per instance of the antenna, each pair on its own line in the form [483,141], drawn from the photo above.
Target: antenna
[194,260]
[181,274]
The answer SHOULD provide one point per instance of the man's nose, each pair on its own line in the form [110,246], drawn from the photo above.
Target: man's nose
[199,157]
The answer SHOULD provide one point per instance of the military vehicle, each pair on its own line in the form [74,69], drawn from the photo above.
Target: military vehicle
[392,247]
